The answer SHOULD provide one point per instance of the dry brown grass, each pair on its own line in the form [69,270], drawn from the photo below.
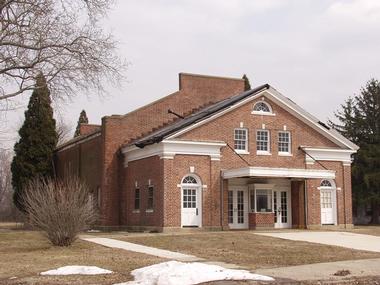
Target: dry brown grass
[368,230]
[24,254]
[249,250]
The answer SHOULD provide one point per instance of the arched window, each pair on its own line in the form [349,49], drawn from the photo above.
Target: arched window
[262,108]
[326,183]
[189,180]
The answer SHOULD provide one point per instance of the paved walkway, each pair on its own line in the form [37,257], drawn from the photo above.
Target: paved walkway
[344,239]
[143,249]
[325,271]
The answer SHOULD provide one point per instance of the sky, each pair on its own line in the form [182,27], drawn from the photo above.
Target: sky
[318,53]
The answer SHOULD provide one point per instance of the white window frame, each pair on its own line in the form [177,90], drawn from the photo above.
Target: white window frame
[267,187]
[242,151]
[150,210]
[263,152]
[270,113]
[284,153]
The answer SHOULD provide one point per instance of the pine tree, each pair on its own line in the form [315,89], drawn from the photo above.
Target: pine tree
[38,138]
[360,122]
[247,85]
[82,120]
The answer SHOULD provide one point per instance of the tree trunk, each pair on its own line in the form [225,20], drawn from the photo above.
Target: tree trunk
[375,213]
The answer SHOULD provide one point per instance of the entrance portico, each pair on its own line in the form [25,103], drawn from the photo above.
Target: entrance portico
[259,197]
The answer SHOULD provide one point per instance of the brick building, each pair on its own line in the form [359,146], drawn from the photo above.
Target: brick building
[224,158]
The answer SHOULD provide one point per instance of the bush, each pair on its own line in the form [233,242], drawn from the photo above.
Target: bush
[61,209]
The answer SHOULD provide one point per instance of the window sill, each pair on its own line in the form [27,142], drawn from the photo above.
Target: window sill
[284,154]
[238,151]
[259,152]
[149,211]
[136,211]
[263,113]
[262,212]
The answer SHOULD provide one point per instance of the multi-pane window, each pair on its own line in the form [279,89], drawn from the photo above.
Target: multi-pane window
[150,198]
[326,183]
[284,142]
[263,200]
[241,139]
[262,140]
[189,198]
[137,199]
[261,107]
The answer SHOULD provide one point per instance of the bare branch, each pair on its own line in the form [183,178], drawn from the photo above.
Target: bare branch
[56,38]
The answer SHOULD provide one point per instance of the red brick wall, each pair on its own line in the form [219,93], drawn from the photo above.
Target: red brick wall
[298,204]
[195,91]
[141,171]
[263,220]
[174,170]
[222,128]
[85,129]
[343,193]
[82,160]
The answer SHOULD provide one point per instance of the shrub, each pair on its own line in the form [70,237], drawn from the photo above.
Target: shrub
[61,209]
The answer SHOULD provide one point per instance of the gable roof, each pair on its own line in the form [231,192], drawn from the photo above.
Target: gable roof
[226,105]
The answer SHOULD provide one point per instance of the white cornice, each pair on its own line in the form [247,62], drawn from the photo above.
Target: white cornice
[167,149]
[328,154]
[278,172]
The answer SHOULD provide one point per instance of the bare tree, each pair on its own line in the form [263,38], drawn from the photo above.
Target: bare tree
[63,39]
[61,209]
[5,175]
[64,131]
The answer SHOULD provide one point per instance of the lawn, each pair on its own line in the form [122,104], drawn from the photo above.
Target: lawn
[24,254]
[367,229]
[249,250]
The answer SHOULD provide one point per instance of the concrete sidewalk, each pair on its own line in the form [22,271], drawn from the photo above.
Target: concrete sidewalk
[343,239]
[143,249]
[325,271]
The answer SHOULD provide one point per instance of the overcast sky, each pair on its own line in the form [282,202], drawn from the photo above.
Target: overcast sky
[315,52]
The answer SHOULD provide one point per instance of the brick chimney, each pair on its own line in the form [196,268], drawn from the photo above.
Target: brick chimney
[211,88]
[85,129]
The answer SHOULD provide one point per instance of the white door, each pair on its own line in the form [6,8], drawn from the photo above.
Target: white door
[191,214]
[238,208]
[281,205]
[327,207]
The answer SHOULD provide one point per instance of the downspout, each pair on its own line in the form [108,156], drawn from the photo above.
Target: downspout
[305,201]
[221,199]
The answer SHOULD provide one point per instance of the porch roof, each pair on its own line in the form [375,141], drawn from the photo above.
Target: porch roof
[278,172]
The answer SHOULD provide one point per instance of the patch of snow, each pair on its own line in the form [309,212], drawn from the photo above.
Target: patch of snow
[174,273]
[77,269]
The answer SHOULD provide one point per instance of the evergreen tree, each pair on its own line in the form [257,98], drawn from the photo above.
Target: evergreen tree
[247,85]
[82,120]
[360,122]
[38,139]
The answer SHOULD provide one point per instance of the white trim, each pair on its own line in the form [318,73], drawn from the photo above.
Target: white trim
[90,137]
[241,151]
[322,130]
[328,154]
[270,93]
[167,149]
[278,172]
[262,113]
[263,152]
